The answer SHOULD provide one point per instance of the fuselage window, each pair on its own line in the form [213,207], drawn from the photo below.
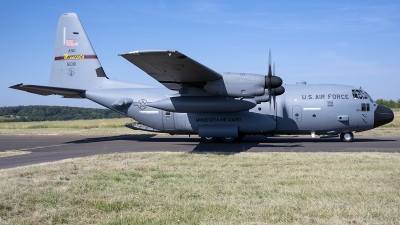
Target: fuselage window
[364,107]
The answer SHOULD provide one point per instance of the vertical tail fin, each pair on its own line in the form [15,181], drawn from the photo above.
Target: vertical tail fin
[75,62]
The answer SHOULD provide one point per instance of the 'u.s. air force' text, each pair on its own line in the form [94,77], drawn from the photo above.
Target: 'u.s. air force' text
[328,96]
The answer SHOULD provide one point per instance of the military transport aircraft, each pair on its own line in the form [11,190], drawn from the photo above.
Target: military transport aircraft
[198,100]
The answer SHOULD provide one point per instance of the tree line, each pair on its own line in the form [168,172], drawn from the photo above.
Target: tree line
[51,113]
[389,103]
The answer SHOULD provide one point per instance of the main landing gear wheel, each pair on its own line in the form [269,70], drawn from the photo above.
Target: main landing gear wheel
[208,139]
[347,137]
[228,139]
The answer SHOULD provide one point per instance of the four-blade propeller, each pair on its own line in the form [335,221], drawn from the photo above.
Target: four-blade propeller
[273,83]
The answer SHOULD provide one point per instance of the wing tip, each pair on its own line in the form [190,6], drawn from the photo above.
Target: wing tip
[16,85]
[150,51]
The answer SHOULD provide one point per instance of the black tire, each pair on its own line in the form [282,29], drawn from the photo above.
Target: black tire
[228,139]
[347,137]
[208,139]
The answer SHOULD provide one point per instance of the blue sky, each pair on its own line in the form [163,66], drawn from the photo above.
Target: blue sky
[339,42]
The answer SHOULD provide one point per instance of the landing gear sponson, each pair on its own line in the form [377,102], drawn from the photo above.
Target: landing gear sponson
[345,137]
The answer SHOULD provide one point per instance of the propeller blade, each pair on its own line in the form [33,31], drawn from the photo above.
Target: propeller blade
[268,78]
[273,71]
[274,98]
[269,64]
[273,93]
[269,93]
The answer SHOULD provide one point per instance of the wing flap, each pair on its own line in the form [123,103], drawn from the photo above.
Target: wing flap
[48,90]
[171,68]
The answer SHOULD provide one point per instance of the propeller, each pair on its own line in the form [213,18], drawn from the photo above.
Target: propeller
[273,83]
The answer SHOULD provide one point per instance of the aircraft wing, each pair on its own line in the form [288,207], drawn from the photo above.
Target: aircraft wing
[47,90]
[172,68]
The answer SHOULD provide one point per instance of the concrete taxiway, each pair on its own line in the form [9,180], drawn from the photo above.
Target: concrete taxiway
[54,148]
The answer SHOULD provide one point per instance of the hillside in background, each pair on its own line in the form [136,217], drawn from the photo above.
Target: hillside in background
[51,113]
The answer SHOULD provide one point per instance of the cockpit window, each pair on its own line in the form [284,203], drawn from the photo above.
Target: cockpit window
[361,94]
[369,97]
[356,94]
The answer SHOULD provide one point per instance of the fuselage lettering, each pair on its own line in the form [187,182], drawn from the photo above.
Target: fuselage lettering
[322,96]
[73,57]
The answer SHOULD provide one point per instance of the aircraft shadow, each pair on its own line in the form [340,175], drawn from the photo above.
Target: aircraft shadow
[248,139]
[113,138]
[255,144]
[234,148]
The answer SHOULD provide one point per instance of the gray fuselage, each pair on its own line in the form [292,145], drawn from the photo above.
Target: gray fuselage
[302,109]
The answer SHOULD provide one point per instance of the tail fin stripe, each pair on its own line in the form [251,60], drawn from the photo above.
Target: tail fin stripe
[74,57]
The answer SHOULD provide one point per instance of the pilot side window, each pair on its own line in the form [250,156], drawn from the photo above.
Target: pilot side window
[356,94]
[364,107]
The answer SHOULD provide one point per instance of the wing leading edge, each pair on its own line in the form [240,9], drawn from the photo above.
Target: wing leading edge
[47,90]
[172,68]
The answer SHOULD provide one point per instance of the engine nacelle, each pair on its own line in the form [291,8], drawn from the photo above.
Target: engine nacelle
[237,85]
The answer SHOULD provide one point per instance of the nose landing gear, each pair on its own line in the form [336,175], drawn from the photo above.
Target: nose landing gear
[347,137]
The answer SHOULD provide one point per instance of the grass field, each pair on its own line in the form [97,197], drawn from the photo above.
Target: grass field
[183,188]
[74,127]
[11,153]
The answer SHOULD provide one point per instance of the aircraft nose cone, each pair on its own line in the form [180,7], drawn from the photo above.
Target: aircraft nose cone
[382,115]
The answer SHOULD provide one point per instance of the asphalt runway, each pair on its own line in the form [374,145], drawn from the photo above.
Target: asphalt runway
[54,148]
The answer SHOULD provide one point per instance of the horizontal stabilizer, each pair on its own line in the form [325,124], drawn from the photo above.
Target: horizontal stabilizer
[47,90]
